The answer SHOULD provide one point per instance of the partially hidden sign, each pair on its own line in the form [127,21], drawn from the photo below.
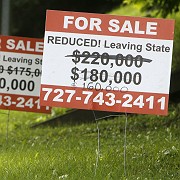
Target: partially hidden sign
[20,74]
[106,62]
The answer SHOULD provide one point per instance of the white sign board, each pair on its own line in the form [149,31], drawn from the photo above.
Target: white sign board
[20,74]
[106,62]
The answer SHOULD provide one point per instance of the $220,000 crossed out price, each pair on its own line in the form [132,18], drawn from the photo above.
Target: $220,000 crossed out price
[103,100]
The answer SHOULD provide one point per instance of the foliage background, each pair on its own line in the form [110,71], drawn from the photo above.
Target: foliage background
[34,12]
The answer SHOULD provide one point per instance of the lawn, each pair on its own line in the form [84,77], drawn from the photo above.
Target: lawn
[70,152]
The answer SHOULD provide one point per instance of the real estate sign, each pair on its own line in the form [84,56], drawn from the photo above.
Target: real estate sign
[20,73]
[106,62]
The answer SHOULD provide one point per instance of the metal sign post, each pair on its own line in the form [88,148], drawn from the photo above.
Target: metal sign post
[5,17]
[7,125]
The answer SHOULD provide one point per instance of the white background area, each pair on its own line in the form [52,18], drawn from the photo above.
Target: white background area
[9,78]
[155,75]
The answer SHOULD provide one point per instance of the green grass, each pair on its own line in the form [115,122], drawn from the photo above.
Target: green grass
[69,152]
